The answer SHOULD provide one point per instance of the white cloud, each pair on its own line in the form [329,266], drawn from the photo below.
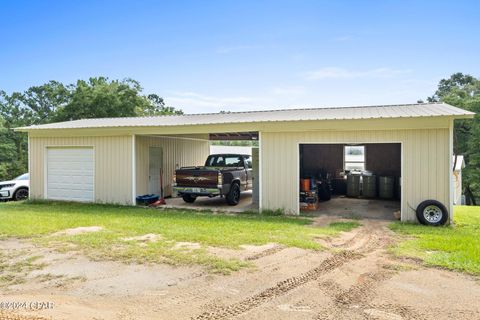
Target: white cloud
[192,102]
[288,90]
[341,73]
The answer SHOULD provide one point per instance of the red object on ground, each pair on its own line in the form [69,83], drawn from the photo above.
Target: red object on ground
[160,201]
[305,184]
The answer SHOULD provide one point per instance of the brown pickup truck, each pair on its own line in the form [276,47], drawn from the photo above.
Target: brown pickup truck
[224,175]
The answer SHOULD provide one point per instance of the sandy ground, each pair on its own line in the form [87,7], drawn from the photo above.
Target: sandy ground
[355,278]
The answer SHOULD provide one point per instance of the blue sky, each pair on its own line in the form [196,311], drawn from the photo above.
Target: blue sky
[206,56]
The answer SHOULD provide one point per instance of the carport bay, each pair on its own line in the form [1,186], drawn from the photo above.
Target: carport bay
[352,179]
[162,155]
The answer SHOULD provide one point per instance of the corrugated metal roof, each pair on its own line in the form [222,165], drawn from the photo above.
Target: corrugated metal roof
[337,113]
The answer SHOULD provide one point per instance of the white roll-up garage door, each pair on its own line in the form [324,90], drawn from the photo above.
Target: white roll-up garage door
[70,174]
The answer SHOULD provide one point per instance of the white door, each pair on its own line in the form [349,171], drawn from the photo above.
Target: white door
[70,174]
[154,170]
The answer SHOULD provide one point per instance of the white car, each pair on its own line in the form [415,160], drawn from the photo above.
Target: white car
[16,189]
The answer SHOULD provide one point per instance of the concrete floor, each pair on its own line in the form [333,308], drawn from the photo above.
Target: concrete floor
[339,206]
[216,204]
[355,207]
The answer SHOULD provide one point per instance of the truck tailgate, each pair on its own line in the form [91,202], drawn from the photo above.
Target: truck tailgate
[201,178]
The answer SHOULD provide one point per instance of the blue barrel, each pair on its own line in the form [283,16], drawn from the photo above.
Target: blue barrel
[147,199]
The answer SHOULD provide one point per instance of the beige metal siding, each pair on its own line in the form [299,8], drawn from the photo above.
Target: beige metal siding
[113,165]
[426,172]
[177,152]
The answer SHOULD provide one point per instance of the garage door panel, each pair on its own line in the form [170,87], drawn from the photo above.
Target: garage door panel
[61,185]
[71,166]
[71,194]
[71,153]
[63,195]
[78,172]
[70,174]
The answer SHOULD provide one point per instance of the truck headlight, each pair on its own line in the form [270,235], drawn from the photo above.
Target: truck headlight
[220,179]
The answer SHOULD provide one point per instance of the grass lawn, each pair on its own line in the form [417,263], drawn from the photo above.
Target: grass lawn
[39,220]
[456,248]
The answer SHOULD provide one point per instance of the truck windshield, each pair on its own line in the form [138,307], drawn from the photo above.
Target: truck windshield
[224,161]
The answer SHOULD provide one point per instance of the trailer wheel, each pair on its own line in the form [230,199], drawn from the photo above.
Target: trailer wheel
[432,213]
[189,198]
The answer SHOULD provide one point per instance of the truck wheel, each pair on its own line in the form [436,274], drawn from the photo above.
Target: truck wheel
[432,213]
[233,196]
[189,198]
[21,194]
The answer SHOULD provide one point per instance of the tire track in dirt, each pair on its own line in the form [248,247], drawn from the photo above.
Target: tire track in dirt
[356,294]
[366,239]
[348,301]
[361,292]
[265,253]
[329,264]
[377,312]
[202,293]
[372,240]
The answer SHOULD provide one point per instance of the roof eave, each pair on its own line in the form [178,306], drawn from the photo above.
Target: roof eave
[23,129]
[468,115]
[465,116]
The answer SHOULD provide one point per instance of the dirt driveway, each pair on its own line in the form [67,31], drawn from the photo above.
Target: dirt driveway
[355,279]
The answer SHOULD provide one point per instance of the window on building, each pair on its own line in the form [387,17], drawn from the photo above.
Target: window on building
[354,157]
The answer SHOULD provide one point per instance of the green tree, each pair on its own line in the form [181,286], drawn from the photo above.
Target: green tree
[42,102]
[463,91]
[13,146]
[36,105]
[458,82]
[102,98]
[156,107]
[8,151]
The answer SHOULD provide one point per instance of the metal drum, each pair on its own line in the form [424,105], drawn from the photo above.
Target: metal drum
[353,185]
[369,186]
[385,188]
[398,188]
